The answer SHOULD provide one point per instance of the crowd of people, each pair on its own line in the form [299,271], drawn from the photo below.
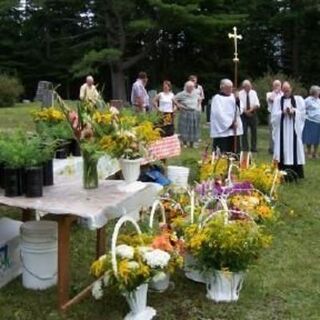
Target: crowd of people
[293,121]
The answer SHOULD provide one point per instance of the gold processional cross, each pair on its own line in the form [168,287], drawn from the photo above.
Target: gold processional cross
[236,60]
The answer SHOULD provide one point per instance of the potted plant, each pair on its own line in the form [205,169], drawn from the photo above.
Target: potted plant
[13,152]
[224,250]
[129,269]
[129,142]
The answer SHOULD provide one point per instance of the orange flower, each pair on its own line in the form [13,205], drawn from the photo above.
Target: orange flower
[162,242]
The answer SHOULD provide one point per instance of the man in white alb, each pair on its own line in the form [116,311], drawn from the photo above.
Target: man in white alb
[225,122]
[288,117]
[250,101]
[271,97]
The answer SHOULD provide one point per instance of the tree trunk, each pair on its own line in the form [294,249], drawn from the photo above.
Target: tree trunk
[118,83]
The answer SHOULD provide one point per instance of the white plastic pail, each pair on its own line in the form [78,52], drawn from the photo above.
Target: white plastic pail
[178,175]
[39,258]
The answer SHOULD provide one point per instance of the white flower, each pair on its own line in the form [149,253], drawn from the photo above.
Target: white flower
[97,291]
[157,258]
[160,276]
[125,252]
[133,265]
[114,110]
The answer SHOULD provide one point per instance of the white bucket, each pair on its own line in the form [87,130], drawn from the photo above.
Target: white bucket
[39,254]
[178,175]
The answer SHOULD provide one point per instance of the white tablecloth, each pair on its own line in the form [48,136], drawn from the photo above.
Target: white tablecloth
[112,199]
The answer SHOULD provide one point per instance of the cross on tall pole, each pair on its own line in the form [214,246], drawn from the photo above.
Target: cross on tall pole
[235,36]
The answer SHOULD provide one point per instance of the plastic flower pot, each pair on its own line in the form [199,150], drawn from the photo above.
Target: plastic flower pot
[224,286]
[12,182]
[160,285]
[1,175]
[189,269]
[34,182]
[63,150]
[75,148]
[130,169]
[47,172]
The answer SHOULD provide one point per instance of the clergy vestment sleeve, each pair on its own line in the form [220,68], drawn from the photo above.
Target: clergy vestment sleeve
[256,100]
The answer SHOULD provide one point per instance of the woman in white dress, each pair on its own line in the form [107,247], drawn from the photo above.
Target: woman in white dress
[165,104]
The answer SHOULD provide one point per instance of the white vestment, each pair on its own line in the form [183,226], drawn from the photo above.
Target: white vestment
[290,125]
[223,113]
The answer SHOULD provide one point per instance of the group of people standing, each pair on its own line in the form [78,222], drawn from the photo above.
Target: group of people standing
[293,121]
[188,102]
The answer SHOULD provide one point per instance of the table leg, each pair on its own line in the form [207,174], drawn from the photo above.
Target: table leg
[101,242]
[64,223]
[26,215]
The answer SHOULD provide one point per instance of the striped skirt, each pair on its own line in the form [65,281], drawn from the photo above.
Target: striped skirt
[189,125]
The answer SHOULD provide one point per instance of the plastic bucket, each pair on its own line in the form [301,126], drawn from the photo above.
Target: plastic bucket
[39,254]
[178,175]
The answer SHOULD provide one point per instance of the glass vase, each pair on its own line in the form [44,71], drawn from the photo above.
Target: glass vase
[90,171]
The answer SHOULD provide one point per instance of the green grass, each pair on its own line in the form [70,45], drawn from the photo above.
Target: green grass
[284,285]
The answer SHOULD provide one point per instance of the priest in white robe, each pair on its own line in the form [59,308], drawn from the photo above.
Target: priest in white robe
[288,117]
[225,123]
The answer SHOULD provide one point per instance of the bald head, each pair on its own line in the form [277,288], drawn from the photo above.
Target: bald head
[286,88]
[89,80]
[276,85]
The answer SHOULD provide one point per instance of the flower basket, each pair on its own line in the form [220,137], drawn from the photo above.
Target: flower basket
[156,284]
[190,262]
[224,286]
[130,169]
[137,299]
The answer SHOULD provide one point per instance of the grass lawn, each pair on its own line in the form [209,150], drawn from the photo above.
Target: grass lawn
[283,285]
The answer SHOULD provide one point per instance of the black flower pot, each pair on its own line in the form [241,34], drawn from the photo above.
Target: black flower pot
[47,172]
[34,182]
[1,175]
[75,148]
[12,182]
[63,150]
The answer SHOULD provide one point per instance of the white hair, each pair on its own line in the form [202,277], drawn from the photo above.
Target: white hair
[314,90]
[246,83]
[89,78]
[276,82]
[225,83]
[188,84]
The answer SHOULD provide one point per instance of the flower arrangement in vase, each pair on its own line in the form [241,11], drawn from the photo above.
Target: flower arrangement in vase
[89,126]
[129,142]
[129,268]
[224,250]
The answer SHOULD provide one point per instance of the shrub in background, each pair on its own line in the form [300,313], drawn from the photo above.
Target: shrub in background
[10,90]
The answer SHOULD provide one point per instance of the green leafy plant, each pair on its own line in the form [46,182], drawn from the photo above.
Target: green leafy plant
[10,90]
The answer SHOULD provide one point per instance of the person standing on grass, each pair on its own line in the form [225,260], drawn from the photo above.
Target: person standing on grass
[288,118]
[89,92]
[139,94]
[199,90]
[250,101]
[271,97]
[225,122]
[311,131]
[189,119]
[165,104]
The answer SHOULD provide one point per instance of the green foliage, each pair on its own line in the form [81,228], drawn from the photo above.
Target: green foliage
[264,84]
[10,90]
[19,149]
[59,131]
